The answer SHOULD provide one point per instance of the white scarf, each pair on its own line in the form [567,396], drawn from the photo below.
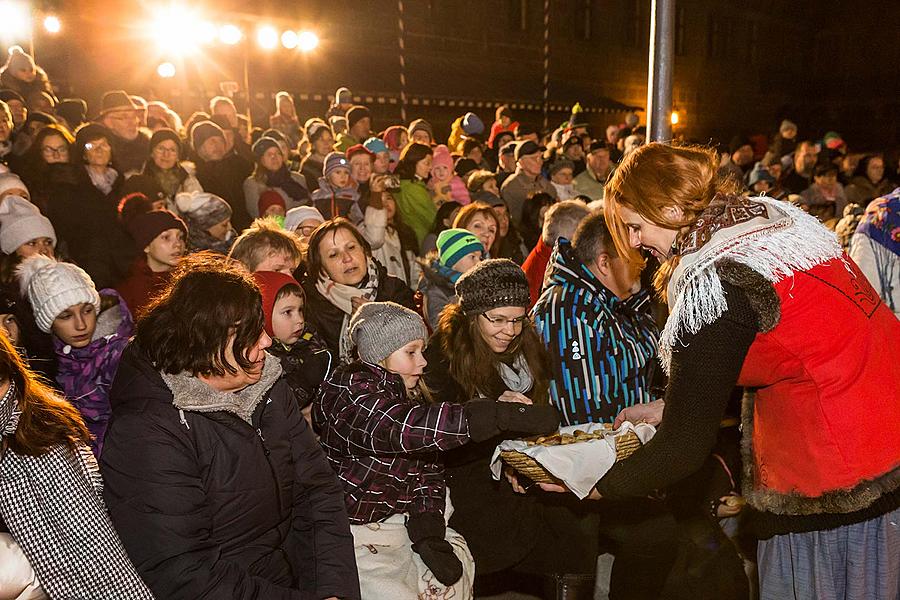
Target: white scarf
[103,181]
[772,237]
[341,296]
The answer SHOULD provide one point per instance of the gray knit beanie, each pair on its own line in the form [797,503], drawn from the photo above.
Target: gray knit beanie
[493,283]
[378,329]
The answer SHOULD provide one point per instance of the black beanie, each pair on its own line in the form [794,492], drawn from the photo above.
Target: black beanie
[355,114]
[204,130]
[161,135]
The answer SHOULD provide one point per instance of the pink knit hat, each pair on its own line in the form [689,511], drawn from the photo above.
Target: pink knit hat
[441,157]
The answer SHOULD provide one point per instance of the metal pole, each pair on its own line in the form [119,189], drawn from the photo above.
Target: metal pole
[400,39]
[246,45]
[546,64]
[659,83]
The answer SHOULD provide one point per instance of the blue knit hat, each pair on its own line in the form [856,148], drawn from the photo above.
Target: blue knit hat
[453,244]
[335,160]
[471,124]
[374,145]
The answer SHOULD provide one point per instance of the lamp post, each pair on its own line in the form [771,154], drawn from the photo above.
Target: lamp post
[659,84]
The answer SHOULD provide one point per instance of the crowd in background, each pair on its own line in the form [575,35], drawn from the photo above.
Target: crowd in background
[424,298]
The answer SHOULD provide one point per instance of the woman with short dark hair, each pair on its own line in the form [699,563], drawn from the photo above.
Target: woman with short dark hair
[214,480]
[342,277]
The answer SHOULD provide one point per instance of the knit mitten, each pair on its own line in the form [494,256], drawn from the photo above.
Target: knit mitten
[426,532]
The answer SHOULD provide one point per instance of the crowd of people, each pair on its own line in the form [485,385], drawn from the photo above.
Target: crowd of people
[275,362]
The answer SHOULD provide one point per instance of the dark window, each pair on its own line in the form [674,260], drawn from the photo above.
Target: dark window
[753,43]
[679,31]
[637,23]
[582,16]
[517,15]
[717,38]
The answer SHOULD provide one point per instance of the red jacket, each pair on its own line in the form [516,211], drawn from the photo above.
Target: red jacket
[535,266]
[141,285]
[826,416]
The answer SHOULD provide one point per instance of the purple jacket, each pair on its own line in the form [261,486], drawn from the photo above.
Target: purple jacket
[85,374]
[383,445]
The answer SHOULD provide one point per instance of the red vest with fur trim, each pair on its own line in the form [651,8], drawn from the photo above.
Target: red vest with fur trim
[827,378]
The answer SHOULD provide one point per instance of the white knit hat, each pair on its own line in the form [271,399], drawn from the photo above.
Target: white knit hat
[297,215]
[21,222]
[11,181]
[53,286]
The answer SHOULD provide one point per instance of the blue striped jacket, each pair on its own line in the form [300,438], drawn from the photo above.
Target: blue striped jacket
[603,349]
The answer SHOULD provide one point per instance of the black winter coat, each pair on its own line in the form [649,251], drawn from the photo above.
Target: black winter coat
[210,507]
[327,319]
[225,178]
[86,219]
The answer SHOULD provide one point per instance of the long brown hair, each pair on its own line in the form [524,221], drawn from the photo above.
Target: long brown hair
[657,176]
[474,365]
[46,420]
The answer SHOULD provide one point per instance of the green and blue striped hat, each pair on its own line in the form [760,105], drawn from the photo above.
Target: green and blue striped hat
[453,244]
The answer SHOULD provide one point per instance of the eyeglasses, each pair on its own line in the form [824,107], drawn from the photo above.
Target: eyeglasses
[501,322]
[164,150]
[306,230]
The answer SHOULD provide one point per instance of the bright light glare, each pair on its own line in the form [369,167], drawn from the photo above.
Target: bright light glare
[15,20]
[267,37]
[206,32]
[174,29]
[166,70]
[230,34]
[674,118]
[52,24]
[307,41]
[290,39]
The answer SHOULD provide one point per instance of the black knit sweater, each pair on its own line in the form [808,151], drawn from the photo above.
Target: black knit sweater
[705,369]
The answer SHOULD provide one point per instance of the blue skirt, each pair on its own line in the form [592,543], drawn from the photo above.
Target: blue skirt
[854,561]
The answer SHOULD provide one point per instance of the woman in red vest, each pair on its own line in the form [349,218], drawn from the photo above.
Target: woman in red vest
[761,296]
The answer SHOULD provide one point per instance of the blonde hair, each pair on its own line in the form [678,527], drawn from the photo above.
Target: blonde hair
[659,176]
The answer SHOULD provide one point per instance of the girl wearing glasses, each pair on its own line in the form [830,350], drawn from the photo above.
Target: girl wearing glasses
[486,347]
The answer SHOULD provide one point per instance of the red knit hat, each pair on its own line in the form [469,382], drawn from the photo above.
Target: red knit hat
[269,198]
[145,227]
[359,149]
[270,283]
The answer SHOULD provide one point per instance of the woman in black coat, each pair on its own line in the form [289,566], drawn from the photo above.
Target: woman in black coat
[342,275]
[214,481]
[83,205]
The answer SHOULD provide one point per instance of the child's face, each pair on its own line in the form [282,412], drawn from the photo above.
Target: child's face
[75,326]
[339,178]
[408,362]
[562,177]
[280,262]
[275,211]
[10,325]
[287,319]
[361,167]
[166,250]
[468,261]
[41,245]
[441,172]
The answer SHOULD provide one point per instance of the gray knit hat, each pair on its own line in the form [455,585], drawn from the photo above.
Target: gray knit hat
[493,283]
[53,286]
[202,209]
[378,329]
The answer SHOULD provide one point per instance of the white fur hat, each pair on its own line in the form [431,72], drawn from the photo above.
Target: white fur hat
[11,181]
[21,222]
[53,286]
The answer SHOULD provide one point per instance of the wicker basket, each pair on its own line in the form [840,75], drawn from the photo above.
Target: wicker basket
[626,445]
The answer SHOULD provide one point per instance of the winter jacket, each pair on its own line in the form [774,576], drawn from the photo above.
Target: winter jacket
[129,156]
[383,445]
[40,83]
[822,206]
[337,202]
[327,319]
[535,266]
[500,526]
[437,285]
[141,285]
[228,496]
[602,349]
[388,246]
[587,184]
[225,178]
[180,178]
[453,190]
[344,142]
[416,207]
[253,189]
[306,363]
[862,191]
[517,188]
[85,374]
[87,220]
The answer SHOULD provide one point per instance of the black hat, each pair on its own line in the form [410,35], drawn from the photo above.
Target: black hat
[509,147]
[493,283]
[7,95]
[355,114]
[204,130]
[116,100]
[528,148]
[161,135]
[73,110]
[143,184]
[738,142]
[599,145]
[464,166]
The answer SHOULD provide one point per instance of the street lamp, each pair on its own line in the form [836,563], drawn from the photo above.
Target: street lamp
[52,24]
[267,37]
[307,41]
[290,39]
[15,21]
[674,117]
[230,34]
[166,70]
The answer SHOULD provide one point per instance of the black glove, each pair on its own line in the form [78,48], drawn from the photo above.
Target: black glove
[488,418]
[426,532]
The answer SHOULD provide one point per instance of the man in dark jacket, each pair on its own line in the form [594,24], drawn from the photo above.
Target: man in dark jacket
[213,479]
[131,146]
[221,171]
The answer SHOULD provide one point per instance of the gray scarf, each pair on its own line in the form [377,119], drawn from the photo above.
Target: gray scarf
[193,395]
[518,377]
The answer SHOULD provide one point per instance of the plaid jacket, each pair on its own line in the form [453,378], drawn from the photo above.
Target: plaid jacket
[383,445]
